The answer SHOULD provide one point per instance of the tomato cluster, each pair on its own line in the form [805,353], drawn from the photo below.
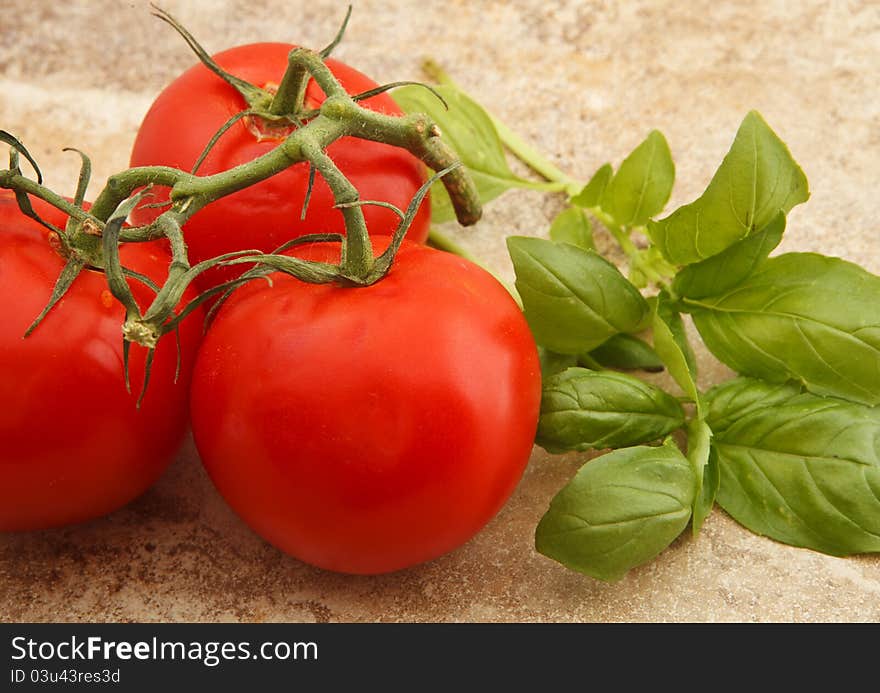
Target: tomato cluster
[360,429]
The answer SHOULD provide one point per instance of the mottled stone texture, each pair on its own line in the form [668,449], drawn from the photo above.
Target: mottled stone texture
[584,81]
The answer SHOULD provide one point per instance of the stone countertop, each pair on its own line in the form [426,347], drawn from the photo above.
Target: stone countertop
[583,81]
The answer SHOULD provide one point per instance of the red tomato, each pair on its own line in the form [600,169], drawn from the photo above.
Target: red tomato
[74,446]
[364,430]
[192,108]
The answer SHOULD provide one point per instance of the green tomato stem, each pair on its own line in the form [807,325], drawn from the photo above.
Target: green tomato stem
[14,181]
[357,251]
[291,95]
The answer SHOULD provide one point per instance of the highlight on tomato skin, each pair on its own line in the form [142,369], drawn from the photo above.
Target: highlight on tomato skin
[190,110]
[365,430]
[75,445]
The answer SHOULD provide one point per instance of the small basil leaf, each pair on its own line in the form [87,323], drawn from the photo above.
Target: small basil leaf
[671,344]
[724,271]
[583,409]
[469,130]
[619,511]
[643,183]
[804,316]
[757,178]
[626,352]
[805,472]
[573,299]
[592,192]
[572,226]
[552,363]
[705,464]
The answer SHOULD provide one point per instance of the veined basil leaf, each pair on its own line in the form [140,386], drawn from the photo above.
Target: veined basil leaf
[756,180]
[627,352]
[583,409]
[671,343]
[592,192]
[643,183]
[805,471]
[804,316]
[573,299]
[469,130]
[572,226]
[704,460]
[619,511]
[735,399]
[724,271]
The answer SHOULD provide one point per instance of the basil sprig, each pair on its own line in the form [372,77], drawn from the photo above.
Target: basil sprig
[790,451]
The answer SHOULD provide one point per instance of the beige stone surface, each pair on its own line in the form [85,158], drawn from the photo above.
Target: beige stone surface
[584,81]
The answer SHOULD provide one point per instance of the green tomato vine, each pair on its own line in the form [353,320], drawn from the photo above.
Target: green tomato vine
[92,238]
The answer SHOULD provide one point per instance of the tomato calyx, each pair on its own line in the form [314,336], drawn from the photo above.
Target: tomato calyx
[273,110]
[78,243]
[264,129]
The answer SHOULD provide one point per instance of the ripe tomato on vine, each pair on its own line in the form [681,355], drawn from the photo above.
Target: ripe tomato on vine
[76,445]
[367,429]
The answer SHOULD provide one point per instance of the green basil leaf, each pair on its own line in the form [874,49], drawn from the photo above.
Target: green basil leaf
[552,363]
[619,511]
[643,183]
[671,344]
[583,409]
[730,267]
[804,316]
[756,180]
[705,463]
[735,399]
[469,130]
[805,471]
[573,299]
[626,352]
[592,192]
[572,226]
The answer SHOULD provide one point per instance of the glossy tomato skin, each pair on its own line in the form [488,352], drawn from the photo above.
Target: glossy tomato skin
[73,446]
[191,109]
[364,430]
